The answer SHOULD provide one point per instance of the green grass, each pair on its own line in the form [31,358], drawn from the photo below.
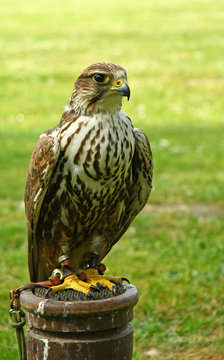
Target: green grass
[173,53]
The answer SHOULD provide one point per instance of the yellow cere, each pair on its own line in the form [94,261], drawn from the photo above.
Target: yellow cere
[118,83]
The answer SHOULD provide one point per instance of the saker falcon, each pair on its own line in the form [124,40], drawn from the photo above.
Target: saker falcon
[88,178]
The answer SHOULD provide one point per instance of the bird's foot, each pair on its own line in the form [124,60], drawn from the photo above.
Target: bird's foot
[73,282]
[87,281]
[94,277]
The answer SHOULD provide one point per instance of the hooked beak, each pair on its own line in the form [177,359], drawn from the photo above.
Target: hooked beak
[122,88]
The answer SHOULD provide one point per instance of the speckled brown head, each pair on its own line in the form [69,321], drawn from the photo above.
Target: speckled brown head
[100,86]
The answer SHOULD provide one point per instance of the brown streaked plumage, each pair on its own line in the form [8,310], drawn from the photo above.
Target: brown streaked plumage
[88,177]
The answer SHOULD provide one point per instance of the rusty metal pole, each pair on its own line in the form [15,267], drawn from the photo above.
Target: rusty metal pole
[79,330]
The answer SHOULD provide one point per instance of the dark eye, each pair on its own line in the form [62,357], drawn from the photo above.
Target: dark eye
[100,78]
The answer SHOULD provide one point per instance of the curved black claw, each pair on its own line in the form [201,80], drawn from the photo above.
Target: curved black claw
[125,279]
[48,292]
[99,286]
[91,294]
[93,287]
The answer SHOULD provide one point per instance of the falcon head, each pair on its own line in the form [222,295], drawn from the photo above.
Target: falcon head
[100,88]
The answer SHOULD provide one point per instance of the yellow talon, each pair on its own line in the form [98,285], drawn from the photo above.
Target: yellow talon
[93,278]
[72,282]
[93,281]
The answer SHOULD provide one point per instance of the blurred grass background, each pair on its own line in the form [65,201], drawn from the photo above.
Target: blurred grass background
[173,53]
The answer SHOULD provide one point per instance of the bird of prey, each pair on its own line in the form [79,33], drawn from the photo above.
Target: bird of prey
[88,178]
